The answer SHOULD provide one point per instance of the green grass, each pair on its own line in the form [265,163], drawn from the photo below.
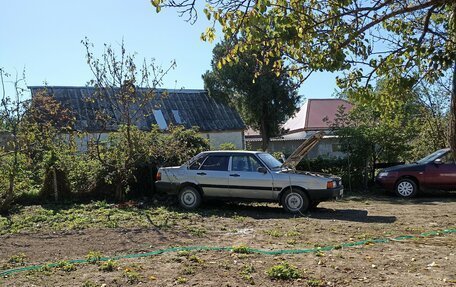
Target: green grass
[92,215]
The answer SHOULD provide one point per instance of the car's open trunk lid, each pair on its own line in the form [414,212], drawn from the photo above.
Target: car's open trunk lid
[293,160]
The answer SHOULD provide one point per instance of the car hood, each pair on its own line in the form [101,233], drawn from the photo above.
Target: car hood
[316,174]
[296,157]
[405,167]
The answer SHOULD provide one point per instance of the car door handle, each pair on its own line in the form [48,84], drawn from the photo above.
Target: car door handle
[235,175]
[201,173]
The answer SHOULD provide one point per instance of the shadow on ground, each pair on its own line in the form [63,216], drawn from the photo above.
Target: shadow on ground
[269,211]
[423,198]
[354,215]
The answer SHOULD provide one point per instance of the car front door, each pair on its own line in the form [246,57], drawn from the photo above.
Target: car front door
[212,175]
[246,181]
[441,174]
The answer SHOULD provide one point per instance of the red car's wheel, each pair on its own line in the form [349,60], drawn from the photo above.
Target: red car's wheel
[406,188]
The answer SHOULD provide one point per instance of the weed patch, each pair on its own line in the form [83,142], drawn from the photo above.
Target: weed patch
[283,271]
[242,249]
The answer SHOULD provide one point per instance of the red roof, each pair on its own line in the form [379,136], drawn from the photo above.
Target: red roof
[312,114]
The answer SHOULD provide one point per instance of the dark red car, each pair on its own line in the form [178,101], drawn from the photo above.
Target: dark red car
[435,171]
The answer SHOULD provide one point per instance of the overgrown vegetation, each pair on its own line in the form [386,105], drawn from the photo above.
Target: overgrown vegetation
[44,158]
[94,215]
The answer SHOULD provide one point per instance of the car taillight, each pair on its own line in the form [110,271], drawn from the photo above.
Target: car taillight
[330,184]
[159,176]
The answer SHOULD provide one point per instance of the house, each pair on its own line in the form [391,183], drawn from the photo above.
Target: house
[217,122]
[314,115]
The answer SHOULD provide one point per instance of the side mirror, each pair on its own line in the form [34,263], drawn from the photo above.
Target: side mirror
[262,169]
[438,161]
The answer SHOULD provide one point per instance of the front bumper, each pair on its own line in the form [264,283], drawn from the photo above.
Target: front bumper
[326,194]
[386,182]
[167,187]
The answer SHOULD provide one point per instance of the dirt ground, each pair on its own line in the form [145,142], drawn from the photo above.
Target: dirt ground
[421,261]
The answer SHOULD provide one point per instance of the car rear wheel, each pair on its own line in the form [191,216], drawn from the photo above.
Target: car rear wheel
[189,197]
[295,201]
[406,188]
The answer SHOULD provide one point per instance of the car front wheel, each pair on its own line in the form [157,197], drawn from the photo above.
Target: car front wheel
[295,201]
[406,188]
[189,197]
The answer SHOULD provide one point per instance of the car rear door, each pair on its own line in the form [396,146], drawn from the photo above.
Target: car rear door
[443,175]
[212,175]
[246,181]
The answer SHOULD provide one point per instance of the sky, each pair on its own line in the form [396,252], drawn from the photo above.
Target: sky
[44,38]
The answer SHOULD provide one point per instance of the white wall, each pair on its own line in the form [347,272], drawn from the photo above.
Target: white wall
[218,138]
[215,139]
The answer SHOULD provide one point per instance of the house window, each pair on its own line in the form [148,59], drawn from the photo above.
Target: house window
[160,119]
[177,117]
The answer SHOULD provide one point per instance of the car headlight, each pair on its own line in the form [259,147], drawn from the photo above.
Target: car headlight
[383,174]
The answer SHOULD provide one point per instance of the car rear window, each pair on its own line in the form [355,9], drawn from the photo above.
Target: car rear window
[216,162]
[197,163]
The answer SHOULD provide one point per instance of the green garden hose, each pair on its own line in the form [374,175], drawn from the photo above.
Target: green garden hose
[246,250]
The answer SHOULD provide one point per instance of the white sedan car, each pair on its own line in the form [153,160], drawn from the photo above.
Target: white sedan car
[249,175]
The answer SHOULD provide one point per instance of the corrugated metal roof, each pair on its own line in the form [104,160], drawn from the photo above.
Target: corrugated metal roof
[195,108]
[312,113]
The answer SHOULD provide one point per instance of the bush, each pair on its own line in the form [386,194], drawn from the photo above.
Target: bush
[227,146]
[351,177]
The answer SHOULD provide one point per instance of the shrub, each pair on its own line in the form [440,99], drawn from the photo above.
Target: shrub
[227,146]
[351,177]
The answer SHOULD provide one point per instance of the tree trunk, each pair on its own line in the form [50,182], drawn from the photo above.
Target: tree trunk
[264,135]
[120,196]
[55,184]
[453,115]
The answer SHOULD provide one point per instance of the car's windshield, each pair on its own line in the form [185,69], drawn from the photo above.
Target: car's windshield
[270,161]
[432,156]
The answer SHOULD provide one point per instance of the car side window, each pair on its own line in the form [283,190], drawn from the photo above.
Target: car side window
[216,162]
[197,164]
[244,163]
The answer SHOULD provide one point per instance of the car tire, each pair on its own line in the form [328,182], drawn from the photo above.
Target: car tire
[295,201]
[406,188]
[189,197]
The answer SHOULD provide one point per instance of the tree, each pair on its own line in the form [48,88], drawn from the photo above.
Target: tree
[367,39]
[12,110]
[124,88]
[49,140]
[264,101]
[379,131]
[433,102]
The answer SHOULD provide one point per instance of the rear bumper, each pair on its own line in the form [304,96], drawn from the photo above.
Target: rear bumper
[326,194]
[167,187]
